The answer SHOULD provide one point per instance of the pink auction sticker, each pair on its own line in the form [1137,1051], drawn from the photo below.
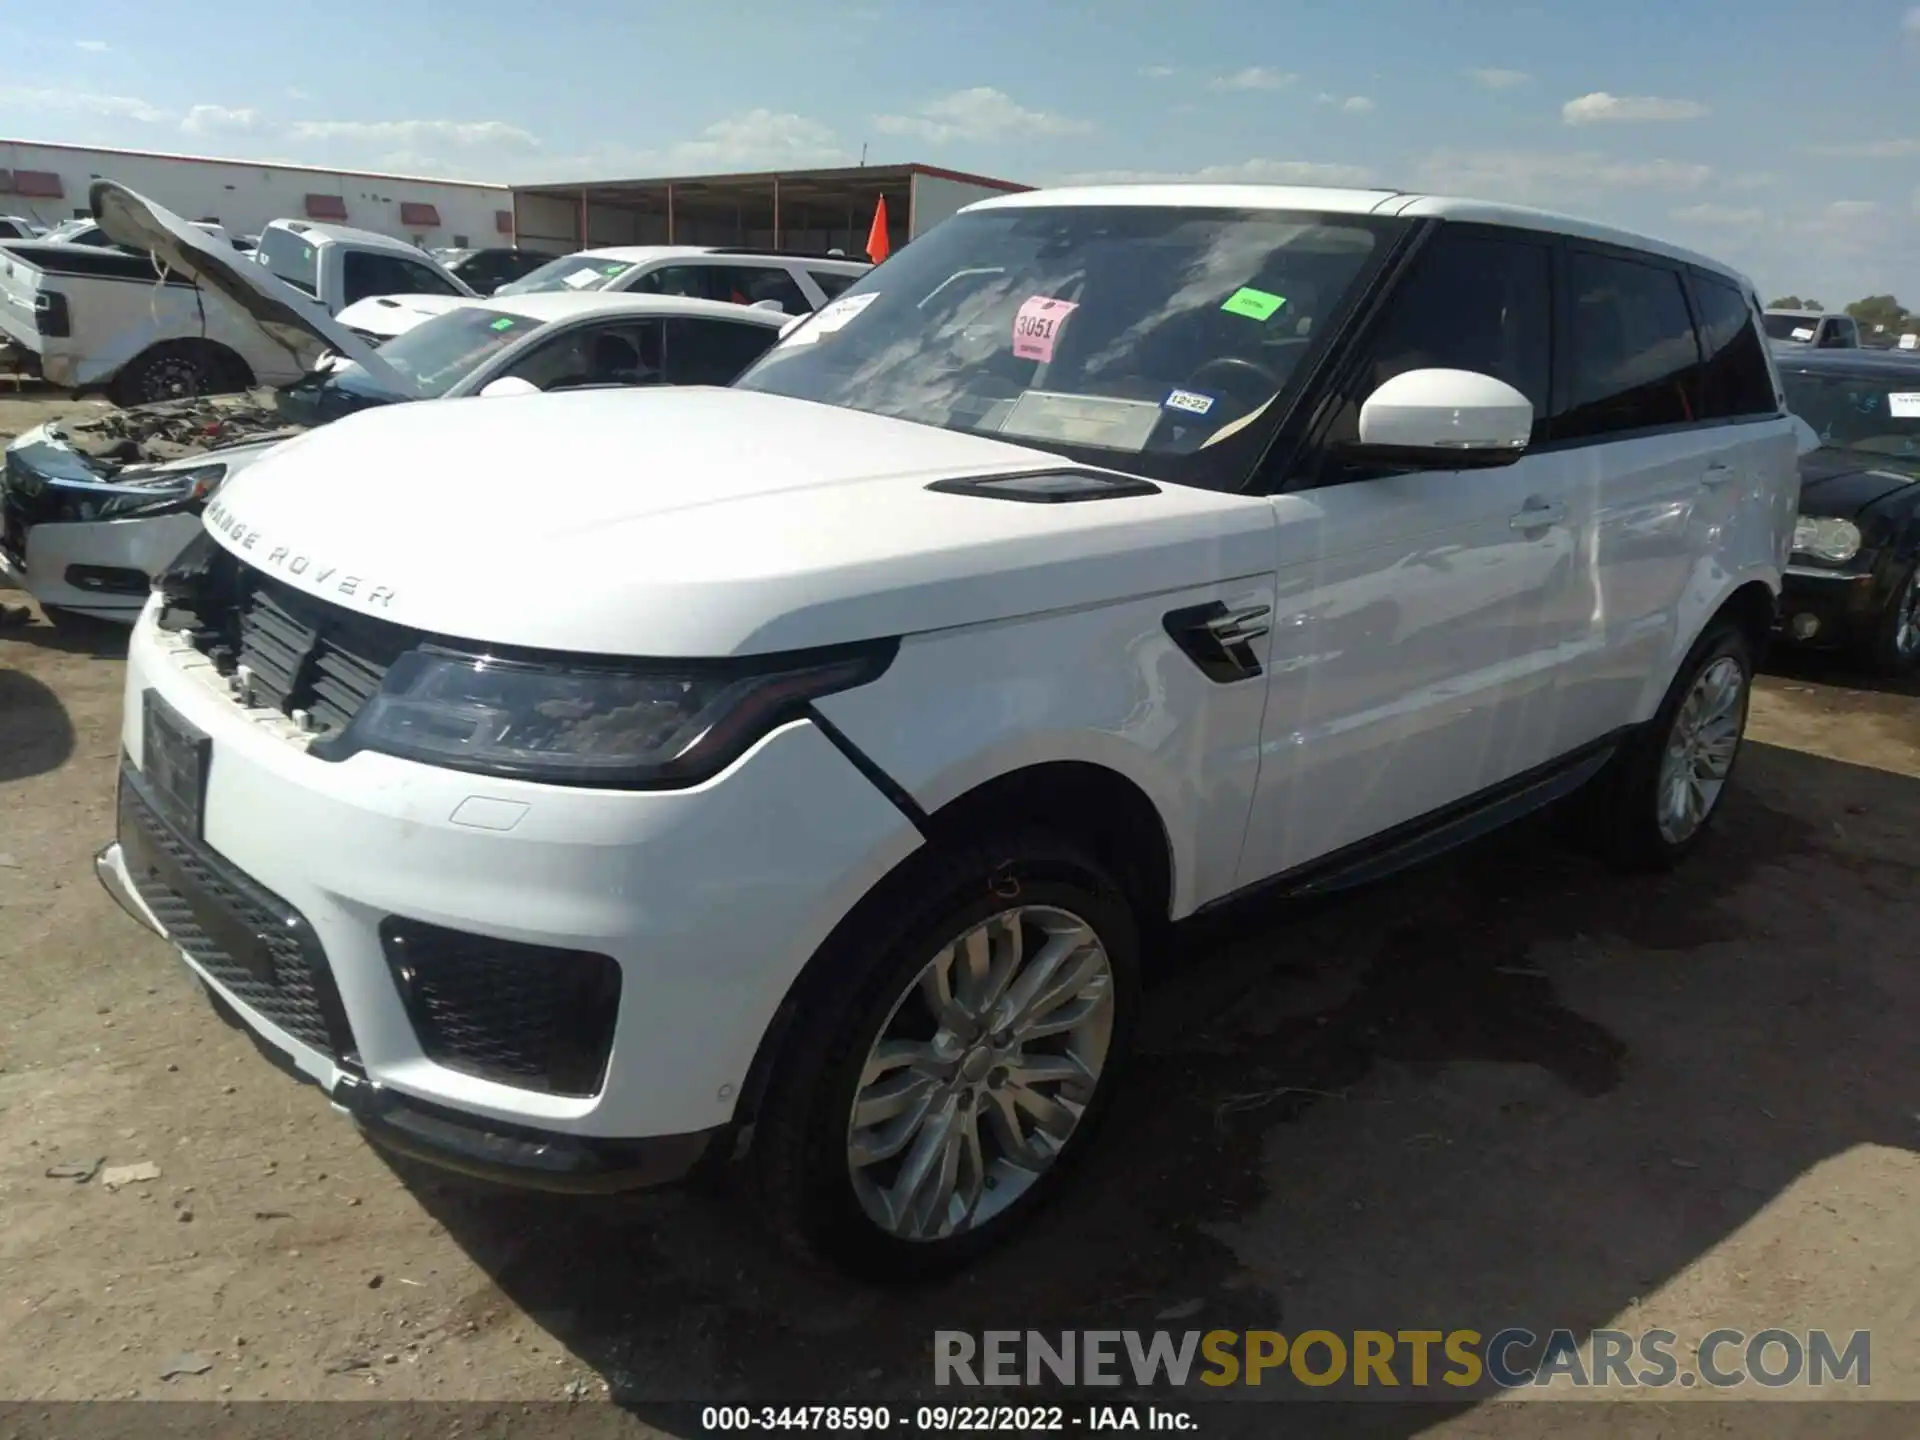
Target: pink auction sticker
[1037,326]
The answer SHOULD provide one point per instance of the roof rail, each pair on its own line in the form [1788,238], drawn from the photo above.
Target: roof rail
[783,254]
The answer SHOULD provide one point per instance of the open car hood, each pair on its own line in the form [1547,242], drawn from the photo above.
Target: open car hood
[292,320]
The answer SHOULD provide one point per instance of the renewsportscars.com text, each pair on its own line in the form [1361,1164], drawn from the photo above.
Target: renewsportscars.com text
[1410,1359]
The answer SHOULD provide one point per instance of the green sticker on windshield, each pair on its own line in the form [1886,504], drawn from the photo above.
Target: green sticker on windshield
[613,269]
[1252,303]
[505,322]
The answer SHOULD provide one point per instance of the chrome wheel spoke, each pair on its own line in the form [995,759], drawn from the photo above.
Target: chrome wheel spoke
[957,1114]
[1701,748]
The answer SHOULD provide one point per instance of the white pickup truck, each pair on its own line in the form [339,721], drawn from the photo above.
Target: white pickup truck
[93,317]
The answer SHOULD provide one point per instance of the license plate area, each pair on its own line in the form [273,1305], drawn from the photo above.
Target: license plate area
[175,757]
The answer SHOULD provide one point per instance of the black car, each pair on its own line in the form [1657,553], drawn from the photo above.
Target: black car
[1854,581]
[487,270]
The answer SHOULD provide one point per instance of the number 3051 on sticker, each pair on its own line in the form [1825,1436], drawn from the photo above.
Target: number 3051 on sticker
[1192,401]
[1037,325]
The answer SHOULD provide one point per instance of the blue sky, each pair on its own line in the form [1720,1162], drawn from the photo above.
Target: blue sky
[1779,134]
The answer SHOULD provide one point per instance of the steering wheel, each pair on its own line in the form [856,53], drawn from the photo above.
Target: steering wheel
[1233,363]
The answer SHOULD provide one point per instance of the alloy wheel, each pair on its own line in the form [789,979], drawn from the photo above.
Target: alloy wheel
[1906,618]
[1700,748]
[981,1073]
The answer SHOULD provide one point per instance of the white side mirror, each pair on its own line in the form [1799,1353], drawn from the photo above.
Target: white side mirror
[773,305]
[509,385]
[1452,419]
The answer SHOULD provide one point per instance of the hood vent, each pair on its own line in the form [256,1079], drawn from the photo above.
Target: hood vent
[1054,488]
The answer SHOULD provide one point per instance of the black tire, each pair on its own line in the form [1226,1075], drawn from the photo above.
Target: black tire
[800,1155]
[172,370]
[1624,809]
[1884,652]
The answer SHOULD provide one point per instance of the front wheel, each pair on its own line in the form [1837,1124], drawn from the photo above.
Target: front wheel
[966,1045]
[1894,648]
[1655,800]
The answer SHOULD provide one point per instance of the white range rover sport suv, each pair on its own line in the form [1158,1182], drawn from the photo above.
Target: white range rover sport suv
[587,790]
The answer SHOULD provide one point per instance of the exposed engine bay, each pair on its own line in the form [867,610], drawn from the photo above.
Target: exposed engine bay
[179,429]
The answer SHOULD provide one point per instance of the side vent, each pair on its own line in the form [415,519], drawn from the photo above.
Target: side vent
[1055,488]
[1219,640]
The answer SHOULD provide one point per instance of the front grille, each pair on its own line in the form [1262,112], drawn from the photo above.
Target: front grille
[254,943]
[528,1015]
[280,647]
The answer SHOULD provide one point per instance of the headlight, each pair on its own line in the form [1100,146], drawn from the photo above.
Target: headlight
[1834,540]
[168,493]
[637,725]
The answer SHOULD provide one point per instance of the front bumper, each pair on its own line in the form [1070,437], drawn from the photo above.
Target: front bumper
[1828,609]
[710,900]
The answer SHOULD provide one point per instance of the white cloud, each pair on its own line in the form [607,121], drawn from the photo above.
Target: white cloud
[1543,176]
[981,113]
[220,120]
[294,92]
[1353,104]
[1496,79]
[73,102]
[94,45]
[1158,72]
[1254,77]
[1602,108]
[1911,24]
[417,133]
[758,140]
[1709,213]
[1244,172]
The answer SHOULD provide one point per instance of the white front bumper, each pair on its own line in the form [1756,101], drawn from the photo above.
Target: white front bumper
[710,899]
[146,545]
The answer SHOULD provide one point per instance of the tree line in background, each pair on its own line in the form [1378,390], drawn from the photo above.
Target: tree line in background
[1882,311]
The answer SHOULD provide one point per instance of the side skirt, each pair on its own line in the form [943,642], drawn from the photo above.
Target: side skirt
[1431,835]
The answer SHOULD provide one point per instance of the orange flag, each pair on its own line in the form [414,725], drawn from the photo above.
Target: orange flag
[877,247]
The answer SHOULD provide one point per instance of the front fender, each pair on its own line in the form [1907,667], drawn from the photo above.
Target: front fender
[1105,686]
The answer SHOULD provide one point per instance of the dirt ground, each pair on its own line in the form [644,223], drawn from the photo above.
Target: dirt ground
[1505,1089]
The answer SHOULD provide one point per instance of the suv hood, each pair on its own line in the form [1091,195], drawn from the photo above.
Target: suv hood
[698,522]
[296,322]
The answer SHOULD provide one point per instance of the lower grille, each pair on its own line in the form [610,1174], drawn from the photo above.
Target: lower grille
[255,944]
[527,1015]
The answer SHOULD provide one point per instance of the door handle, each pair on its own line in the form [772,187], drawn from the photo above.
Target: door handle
[1717,474]
[1538,515]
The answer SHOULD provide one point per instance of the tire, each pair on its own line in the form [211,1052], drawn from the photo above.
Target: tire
[1893,649]
[1633,826]
[171,370]
[874,982]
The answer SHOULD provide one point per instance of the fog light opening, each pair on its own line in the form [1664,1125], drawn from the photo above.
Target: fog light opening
[1804,627]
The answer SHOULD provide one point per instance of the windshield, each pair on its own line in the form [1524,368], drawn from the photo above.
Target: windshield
[1792,327]
[1880,415]
[570,272]
[1138,338]
[440,352]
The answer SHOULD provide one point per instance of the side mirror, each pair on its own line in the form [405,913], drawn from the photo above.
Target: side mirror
[509,385]
[1445,420]
[773,305]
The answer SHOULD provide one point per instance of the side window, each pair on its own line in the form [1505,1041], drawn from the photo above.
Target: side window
[423,280]
[831,282]
[369,272]
[1471,302]
[1734,379]
[750,284]
[625,354]
[1634,363]
[713,352]
[690,280]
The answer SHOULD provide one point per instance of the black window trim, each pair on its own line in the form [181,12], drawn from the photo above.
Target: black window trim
[1300,463]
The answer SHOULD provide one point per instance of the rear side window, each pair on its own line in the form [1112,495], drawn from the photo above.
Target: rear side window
[750,284]
[291,258]
[831,282]
[1472,302]
[713,352]
[1633,360]
[1734,379]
